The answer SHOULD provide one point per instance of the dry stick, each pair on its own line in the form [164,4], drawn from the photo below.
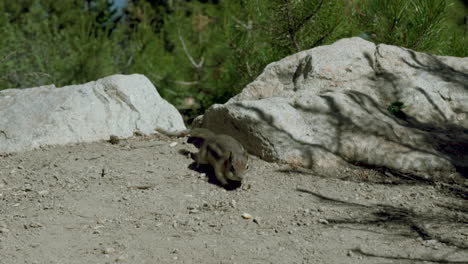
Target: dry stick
[183,83]
[247,26]
[197,66]
[291,32]
[293,29]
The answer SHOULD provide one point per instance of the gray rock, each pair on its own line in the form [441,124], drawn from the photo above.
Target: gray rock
[326,107]
[116,105]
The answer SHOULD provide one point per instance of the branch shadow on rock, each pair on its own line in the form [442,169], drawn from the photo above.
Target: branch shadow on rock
[446,148]
[441,138]
[449,139]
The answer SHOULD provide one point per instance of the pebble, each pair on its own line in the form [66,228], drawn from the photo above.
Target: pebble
[246,187]
[233,203]
[35,225]
[43,192]
[27,187]
[121,258]
[433,243]
[246,216]
[4,230]
[114,140]
[256,220]
[193,211]
[173,144]
[108,250]
[323,221]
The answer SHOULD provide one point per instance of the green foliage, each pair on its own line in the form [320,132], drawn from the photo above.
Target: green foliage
[55,42]
[421,25]
[396,109]
[202,52]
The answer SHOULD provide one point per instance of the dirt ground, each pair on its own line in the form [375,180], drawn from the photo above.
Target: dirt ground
[140,201]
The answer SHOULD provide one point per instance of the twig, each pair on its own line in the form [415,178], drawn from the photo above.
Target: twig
[247,26]
[197,66]
[184,83]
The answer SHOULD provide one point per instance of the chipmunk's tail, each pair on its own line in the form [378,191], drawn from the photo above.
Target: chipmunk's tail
[182,133]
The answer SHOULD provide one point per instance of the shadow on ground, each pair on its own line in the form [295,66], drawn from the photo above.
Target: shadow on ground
[403,222]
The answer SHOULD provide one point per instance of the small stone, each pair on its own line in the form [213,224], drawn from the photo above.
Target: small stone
[114,140]
[27,187]
[35,225]
[431,243]
[246,216]
[173,144]
[233,203]
[193,211]
[121,258]
[350,254]
[43,192]
[4,230]
[323,221]
[246,187]
[108,250]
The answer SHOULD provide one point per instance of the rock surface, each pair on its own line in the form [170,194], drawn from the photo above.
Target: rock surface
[116,105]
[328,106]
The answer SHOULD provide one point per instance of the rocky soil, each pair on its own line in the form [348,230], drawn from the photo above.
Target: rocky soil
[141,201]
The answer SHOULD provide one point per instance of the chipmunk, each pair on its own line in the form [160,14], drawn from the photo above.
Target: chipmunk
[226,155]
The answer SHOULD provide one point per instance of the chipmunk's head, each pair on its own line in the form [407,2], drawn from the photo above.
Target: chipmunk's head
[236,166]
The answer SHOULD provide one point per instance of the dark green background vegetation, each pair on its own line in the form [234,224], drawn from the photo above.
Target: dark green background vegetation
[202,52]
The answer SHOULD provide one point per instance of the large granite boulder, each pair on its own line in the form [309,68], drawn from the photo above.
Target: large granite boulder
[355,102]
[116,105]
